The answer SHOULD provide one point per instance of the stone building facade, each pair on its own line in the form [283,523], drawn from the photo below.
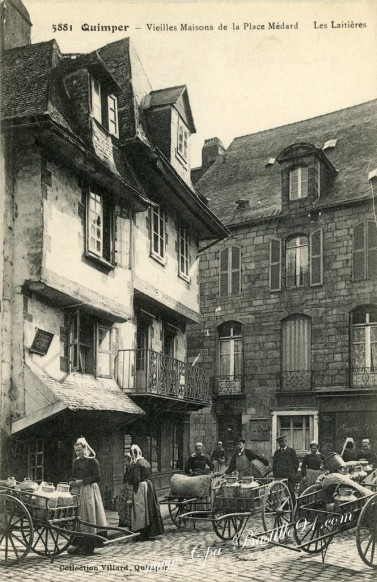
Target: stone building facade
[100,229]
[289,301]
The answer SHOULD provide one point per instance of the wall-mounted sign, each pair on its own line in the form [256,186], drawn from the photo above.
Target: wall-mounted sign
[41,342]
[259,429]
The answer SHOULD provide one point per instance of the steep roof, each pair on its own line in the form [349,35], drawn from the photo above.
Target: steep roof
[177,96]
[85,392]
[242,171]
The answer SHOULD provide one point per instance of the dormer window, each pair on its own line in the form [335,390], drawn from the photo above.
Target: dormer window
[182,140]
[298,183]
[104,107]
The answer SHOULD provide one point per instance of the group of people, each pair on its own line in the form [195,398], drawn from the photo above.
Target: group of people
[138,505]
[351,453]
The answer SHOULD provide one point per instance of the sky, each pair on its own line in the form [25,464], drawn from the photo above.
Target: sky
[312,57]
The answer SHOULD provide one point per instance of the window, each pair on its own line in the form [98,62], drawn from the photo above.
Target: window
[303,261]
[100,229]
[365,250]
[169,340]
[364,339]
[90,346]
[36,460]
[148,437]
[158,239]
[96,100]
[230,271]
[297,261]
[230,358]
[104,107]
[182,140]
[296,353]
[298,430]
[298,183]
[183,251]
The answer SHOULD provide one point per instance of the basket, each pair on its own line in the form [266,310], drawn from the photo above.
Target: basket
[259,469]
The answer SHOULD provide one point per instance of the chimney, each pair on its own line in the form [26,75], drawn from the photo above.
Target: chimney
[15,25]
[211,149]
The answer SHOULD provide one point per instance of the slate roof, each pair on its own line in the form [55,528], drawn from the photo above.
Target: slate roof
[241,172]
[166,96]
[85,392]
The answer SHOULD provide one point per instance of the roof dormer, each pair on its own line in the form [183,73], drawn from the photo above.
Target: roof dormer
[170,124]
[306,173]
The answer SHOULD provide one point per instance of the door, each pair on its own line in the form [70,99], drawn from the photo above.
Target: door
[230,431]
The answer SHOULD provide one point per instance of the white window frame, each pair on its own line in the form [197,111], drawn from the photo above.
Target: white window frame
[95,232]
[77,342]
[160,232]
[184,251]
[296,183]
[298,261]
[96,99]
[231,340]
[367,342]
[311,412]
[182,140]
[112,115]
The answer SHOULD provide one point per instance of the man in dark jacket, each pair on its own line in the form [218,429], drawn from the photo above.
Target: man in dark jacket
[198,463]
[241,460]
[285,464]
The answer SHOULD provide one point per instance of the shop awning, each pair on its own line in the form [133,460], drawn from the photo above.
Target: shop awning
[46,396]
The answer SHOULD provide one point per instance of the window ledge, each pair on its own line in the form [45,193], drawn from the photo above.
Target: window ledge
[100,261]
[181,159]
[158,259]
[184,277]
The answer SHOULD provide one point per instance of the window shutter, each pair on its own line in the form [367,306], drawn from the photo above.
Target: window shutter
[359,252]
[316,257]
[372,249]
[224,262]
[275,264]
[236,270]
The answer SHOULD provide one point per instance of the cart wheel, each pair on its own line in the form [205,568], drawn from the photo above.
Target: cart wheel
[16,531]
[48,542]
[226,528]
[307,531]
[277,506]
[366,533]
[176,508]
[311,489]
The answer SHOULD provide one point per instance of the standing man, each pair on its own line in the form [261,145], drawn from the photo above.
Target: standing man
[311,465]
[285,464]
[198,462]
[241,460]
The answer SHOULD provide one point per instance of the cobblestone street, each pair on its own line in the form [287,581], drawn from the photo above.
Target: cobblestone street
[182,554]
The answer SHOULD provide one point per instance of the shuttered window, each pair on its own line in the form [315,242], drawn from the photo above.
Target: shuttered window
[365,250]
[297,261]
[316,257]
[296,347]
[230,271]
[275,265]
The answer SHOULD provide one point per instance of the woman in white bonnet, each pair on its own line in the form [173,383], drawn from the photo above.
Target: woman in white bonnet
[85,477]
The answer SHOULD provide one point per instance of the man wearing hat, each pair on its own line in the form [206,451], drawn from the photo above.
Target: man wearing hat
[311,465]
[241,460]
[285,464]
[219,458]
[367,453]
[198,463]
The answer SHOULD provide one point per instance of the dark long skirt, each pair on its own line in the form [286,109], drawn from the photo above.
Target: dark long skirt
[156,526]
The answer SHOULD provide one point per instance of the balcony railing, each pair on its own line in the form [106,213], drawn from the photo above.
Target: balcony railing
[146,372]
[364,378]
[228,385]
[295,381]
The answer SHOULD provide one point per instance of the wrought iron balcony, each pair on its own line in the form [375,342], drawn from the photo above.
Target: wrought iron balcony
[228,385]
[364,378]
[150,373]
[295,381]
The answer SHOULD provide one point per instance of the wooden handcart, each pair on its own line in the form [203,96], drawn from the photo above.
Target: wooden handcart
[29,524]
[228,515]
